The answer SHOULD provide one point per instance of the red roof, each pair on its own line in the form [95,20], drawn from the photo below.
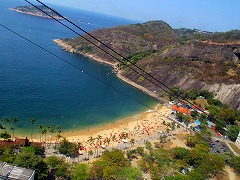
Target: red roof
[20,142]
[6,143]
[39,144]
[180,109]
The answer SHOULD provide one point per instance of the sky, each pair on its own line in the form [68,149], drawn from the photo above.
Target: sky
[209,15]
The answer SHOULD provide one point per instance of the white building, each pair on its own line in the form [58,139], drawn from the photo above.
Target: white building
[10,171]
[238,140]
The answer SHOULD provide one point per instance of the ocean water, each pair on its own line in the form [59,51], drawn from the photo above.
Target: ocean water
[35,84]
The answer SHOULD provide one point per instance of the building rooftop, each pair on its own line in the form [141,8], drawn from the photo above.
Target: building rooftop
[10,171]
[19,143]
[183,110]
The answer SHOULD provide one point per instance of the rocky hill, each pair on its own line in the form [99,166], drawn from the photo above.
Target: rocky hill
[176,57]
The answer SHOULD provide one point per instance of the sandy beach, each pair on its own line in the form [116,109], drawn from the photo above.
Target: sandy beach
[145,126]
[149,121]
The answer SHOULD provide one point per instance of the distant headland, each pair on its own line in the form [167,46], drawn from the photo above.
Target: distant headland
[30,10]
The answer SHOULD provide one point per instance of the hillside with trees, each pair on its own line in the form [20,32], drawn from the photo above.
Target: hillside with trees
[177,57]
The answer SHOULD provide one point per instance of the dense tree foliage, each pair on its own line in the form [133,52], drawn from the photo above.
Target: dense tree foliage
[235,163]
[167,164]
[80,172]
[7,154]
[67,148]
[113,165]
[57,167]
[28,158]
[6,136]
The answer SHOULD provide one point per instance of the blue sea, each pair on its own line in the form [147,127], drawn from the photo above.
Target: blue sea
[35,84]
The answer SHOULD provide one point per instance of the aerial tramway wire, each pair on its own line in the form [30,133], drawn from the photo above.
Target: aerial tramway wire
[78,68]
[147,78]
[177,96]
[83,71]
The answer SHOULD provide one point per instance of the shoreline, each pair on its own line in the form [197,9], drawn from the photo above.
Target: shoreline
[65,46]
[153,118]
[119,125]
[93,129]
[160,111]
[143,125]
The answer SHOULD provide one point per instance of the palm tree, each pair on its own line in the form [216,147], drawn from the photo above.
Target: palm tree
[123,135]
[45,132]
[58,137]
[1,127]
[59,131]
[15,120]
[90,153]
[79,145]
[162,139]
[51,130]
[132,142]
[91,141]
[33,120]
[12,128]
[48,128]
[6,120]
[191,140]
[114,138]
[99,137]
[107,140]
[41,132]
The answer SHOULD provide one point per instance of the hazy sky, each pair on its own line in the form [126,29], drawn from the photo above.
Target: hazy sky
[212,15]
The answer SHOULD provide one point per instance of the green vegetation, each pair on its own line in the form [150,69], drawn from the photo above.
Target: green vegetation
[80,172]
[67,148]
[176,163]
[29,157]
[235,163]
[167,52]
[6,136]
[135,57]
[223,116]
[232,35]
[161,163]
[113,165]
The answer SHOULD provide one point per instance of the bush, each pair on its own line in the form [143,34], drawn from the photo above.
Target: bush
[140,151]
[67,148]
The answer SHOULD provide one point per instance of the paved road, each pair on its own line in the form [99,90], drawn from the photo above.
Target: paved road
[218,146]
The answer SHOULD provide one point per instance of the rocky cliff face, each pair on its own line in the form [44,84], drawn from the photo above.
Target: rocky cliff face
[184,58]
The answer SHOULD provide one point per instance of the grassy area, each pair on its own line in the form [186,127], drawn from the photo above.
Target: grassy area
[201,102]
[235,148]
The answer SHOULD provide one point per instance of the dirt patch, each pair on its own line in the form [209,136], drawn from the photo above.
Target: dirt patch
[227,174]
[181,137]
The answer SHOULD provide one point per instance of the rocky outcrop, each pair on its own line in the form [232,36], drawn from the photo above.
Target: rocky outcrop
[65,46]
[161,52]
